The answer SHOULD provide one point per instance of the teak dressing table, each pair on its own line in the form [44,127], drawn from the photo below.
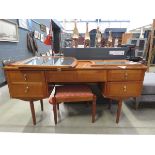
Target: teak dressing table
[120,79]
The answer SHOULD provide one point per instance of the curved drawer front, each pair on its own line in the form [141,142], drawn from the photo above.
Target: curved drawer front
[123,89]
[125,75]
[36,89]
[25,76]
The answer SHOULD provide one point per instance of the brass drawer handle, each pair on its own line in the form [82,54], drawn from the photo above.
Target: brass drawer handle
[25,77]
[59,69]
[27,89]
[125,88]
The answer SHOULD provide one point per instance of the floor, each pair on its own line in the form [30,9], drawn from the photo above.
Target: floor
[15,116]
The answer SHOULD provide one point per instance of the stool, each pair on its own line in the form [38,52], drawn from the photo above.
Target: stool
[72,93]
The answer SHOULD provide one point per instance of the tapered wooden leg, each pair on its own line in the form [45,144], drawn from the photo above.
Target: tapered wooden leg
[93,109]
[58,106]
[33,112]
[136,103]
[55,110]
[42,107]
[109,105]
[119,110]
[55,113]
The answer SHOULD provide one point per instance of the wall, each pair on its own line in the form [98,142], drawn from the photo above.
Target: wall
[19,51]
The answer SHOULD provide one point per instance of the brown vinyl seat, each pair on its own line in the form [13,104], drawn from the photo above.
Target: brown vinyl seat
[72,93]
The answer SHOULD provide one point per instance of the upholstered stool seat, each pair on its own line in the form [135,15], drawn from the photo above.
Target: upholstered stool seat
[72,93]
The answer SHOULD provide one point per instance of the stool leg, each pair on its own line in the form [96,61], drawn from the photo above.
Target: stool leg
[58,106]
[136,103]
[109,105]
[93,109]
[55,109]
[42,107]
[33,112]
[119,110]
[87,103]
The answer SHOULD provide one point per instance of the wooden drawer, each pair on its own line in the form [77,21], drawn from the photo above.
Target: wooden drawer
[61,76]
[27,90]
[125,89]
[76,76]
[25,76]
[125,75]
[91,76]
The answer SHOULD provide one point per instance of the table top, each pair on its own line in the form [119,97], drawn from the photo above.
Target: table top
[59,62]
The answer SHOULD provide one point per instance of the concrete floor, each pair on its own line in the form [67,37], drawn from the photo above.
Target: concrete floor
[15,116]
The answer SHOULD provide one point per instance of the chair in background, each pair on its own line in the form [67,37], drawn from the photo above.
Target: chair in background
[72,93]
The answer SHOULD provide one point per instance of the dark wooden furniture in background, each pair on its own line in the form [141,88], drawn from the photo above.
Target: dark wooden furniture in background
[120,79]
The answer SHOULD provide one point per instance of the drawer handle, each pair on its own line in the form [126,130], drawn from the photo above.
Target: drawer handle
[125,88]
[59,69]
[126,76]
[25,77]
[27,89]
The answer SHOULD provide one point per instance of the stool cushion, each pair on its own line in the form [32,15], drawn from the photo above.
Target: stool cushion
[149,84]
[72,93]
